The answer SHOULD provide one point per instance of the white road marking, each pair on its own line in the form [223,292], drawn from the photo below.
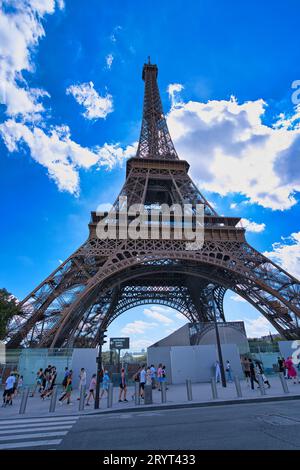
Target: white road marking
[32,436]
[18,431]
[38,420]
[15,445]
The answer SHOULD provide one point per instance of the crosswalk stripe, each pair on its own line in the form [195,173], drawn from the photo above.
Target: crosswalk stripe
[15,445]
[37,420]
[32,425]
[35,432]
[32,436]
[18,431]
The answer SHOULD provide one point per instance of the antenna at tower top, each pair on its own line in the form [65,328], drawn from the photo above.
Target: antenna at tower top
[149,61]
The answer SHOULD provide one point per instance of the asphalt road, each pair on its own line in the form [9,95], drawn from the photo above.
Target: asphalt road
[249,426]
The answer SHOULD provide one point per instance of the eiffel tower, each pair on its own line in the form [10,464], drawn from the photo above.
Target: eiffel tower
[104,278]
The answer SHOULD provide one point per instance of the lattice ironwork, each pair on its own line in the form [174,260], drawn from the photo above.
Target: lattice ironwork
[104,278]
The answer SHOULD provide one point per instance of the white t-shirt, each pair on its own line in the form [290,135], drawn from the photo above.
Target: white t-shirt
[10,382]
[83,378]
[143,376]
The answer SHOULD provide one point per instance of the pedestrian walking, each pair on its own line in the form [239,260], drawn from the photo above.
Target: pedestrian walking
[291,371]
[142,380]
[286,376]
[252,374]
[136,378]
[46,377]
[15,387]
[159,376]
[148,376]
[123,385]
[217,372]
[92,389]
[164,375]
[38,382]
[105,384]
[65,379]
[68,391]
[280,362]
[228,371]
[246,368]
[82,380]
[153,376]
[260,371]
[9,389]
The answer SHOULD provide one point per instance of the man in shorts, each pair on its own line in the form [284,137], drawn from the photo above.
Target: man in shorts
[9,389]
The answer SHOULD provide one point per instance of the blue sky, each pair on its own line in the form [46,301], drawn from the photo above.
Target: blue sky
[71,102]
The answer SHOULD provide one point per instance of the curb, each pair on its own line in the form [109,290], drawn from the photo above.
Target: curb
[175,406]
[195,405]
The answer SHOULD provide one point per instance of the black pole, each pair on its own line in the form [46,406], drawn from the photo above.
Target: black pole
[99,371]
[222,370]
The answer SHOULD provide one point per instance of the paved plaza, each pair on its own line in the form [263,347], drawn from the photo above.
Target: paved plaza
[176,396]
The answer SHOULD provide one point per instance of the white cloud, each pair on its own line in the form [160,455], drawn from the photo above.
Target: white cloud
[251,226]
[173,90]
[137,327]
[109,60]
[287,254]
[233,205]
[260,326]
[156,314]
[20,31]
[231,150]
[57,152]
[96,106]
[139,344]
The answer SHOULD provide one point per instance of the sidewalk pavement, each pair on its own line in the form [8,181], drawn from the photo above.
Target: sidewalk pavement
[176,397]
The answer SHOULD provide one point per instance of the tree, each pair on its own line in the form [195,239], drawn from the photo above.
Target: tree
[8,308]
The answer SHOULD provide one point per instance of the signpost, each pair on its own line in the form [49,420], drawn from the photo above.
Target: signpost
[119,343]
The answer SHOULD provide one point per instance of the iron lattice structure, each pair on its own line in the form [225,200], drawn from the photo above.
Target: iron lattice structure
[104,278]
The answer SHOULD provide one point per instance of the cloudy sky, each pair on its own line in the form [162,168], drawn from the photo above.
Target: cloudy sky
[70,107]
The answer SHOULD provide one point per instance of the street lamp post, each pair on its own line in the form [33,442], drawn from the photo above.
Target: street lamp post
[102,340]
[222,370]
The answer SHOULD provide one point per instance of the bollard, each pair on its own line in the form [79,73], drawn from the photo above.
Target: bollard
[261,384]
[137,393]
[163,392]
[238,387]
[24,401]
[214,388]
[53,400]
[148,395]
[110,395]
[283,382]
[189,389]
[82,398]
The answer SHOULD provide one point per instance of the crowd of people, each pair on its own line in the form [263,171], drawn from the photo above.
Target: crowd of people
[145,375]
[149,375]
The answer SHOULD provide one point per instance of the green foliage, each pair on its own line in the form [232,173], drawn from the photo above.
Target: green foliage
[8,308]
